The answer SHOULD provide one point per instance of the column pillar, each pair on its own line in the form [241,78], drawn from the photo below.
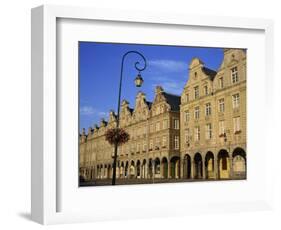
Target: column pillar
[146,170]
[230,167]
[161,170]
[215,168]
[169,170]
[181,168]
[192,169]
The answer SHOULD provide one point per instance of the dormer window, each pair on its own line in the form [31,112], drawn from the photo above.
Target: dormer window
[206,90]
[234,75]
[195,75]
[196,92]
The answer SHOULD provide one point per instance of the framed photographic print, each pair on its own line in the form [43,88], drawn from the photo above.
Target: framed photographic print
[132,110]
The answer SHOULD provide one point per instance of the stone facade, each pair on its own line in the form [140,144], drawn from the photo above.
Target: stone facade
[198,135]
[154,130]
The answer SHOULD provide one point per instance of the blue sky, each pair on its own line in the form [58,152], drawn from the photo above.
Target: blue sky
[99,72]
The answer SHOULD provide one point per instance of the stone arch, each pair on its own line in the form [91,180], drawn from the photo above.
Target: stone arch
[187,166]
[223,164]
[175,167]
[144,169]
[198,166]
[132,169]
[122,169]
[109,171]
[157,168]
[138,173]
[239,163]
[210,165]
[98,171]
[126,171]
[150,168]
[164,164]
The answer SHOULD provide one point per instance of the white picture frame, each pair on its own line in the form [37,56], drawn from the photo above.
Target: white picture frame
[46,164]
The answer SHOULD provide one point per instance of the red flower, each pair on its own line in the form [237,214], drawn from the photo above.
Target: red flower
[116,135]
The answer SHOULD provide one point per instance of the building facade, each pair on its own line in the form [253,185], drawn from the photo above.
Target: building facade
[153,150]
[213,119]
[198,135]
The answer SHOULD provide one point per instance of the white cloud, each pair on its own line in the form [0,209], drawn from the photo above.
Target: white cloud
[168,65]
[89,110]
[172,87]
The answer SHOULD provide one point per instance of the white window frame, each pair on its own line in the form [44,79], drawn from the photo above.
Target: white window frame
[197,133]
[176,124]
[196,112]
[235,100]
[196,92]
[208,109]
[221,105]
[234,75]
[208,133]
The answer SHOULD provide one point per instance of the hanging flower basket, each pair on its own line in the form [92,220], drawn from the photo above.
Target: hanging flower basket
[116,135]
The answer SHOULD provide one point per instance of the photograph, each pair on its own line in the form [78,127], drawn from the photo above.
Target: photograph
[152,113]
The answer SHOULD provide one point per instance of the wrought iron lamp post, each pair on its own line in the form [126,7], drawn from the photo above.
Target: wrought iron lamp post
[138,83]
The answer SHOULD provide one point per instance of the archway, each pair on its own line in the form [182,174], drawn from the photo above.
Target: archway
[187,167]
[164,164]
[122,169]
[157,168]
[223,164]
[126,169]
[109,171]
[98,171]
[175,167]
[239,163]
[150,169]
[144,170]
[138,169]
[132,169]
[198,166]
[210,165]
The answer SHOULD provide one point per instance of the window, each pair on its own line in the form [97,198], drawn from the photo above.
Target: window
[221,84]
[176,124]
[208,133]
[164,141]
[221,127]
[151,145]
[144,146]
[186,135]
[157,144]
[138,147]
[186,116]
[165,124]
[196,92]
[235,100]
[197,133]
[221,105]
[176,142]
[208,109]
[196,113]
[157,126]
[206,90]
[236,124]
[234,75]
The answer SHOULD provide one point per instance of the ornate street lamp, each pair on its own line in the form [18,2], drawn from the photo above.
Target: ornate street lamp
[138,83]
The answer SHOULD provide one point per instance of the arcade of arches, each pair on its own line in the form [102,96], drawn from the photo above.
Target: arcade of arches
[220,165]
